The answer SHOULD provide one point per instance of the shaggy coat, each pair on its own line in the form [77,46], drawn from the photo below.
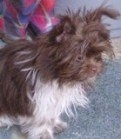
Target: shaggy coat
[41,79]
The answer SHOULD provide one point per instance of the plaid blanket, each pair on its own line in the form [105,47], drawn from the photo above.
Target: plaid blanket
[17,17]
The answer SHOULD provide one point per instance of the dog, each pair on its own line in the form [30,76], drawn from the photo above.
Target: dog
[42,79]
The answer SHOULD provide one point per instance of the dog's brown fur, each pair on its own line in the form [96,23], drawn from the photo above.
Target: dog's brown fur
[70,53]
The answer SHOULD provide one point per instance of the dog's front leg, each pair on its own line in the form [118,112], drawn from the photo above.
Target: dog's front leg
[59,126]
[38,130]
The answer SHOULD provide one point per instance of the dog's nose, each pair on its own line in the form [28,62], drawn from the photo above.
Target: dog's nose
[94,69]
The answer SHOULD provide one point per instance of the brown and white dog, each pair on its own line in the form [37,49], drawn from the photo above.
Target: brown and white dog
[41,79]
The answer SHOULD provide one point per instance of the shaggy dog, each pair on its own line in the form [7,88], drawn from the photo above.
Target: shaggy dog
[41,79]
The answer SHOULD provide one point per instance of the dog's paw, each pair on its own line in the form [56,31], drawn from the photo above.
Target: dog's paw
[46,135]
[59,127]
[42,135]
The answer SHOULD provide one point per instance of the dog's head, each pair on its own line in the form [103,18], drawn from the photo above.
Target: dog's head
[79,42]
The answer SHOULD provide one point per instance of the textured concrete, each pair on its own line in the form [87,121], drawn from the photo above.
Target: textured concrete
[102,119]
[117,47]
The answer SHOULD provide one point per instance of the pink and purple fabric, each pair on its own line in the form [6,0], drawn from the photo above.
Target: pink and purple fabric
[18,17]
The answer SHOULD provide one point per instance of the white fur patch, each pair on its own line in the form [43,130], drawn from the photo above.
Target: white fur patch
[52,100]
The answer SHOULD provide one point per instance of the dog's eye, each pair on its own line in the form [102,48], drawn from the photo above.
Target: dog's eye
[98,58]
[79,58]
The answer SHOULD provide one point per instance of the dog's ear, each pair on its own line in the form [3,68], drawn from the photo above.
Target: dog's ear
[66,28]
[98,13]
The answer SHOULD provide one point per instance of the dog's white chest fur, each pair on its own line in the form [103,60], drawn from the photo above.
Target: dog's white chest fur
[51,100]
